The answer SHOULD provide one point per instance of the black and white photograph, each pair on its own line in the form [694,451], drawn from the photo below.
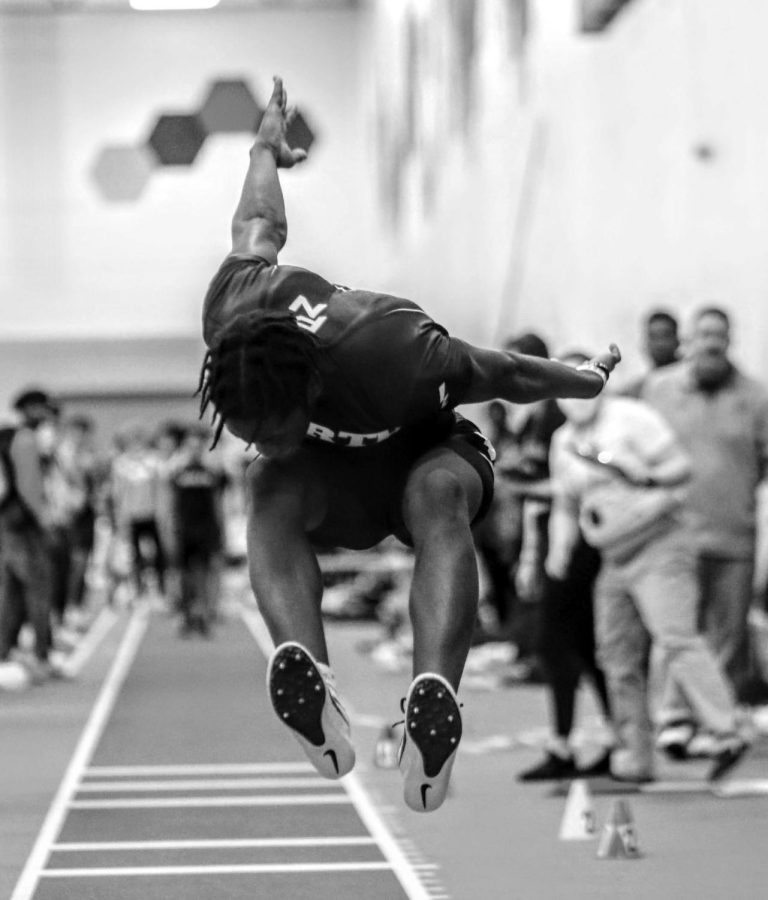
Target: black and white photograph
[482,617]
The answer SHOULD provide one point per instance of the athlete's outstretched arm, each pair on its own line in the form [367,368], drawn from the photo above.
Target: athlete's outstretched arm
[259,226]
[503,375]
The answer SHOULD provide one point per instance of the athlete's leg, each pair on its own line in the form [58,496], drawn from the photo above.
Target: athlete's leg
[442,495]
[283,505]
[283,567]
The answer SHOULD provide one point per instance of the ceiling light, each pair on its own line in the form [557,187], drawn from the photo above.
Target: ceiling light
[157,5]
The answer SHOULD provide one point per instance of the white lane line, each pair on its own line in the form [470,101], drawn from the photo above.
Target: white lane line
[99,629]
[211,784]
[753,787]
[405,873]
[89,738]
[675,787]
[286,868]
[201,802]
[271,768]
[748,788]
[218,844]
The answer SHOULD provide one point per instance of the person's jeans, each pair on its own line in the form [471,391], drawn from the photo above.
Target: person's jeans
[654,597]
[25,589]
[726,596]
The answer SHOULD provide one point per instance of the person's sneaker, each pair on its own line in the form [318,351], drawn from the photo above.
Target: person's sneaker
[703,745]
[430,741]
[726,755]
[13,676]
[600,766]
[551,768]
[305,699]
[674,739]
[633,778]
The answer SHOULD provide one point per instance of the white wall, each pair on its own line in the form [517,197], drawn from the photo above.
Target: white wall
[576,198]
[555,188]
[627,215]
[452,246]
[74,265]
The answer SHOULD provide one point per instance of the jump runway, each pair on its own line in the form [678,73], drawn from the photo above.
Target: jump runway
[184,785]
[174,779]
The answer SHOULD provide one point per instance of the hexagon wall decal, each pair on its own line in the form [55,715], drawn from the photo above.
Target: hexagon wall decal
[299,134]
[121,173]
[230,107]
[176,139]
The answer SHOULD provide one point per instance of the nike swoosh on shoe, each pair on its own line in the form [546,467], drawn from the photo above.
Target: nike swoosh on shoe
[332,755]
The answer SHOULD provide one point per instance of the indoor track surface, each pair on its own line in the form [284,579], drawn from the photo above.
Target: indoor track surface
[161,772]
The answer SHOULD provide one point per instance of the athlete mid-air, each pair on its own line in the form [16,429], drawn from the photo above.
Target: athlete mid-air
[349,398]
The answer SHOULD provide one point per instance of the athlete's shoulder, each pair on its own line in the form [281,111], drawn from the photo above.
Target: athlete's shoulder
[245,283]
[237,267]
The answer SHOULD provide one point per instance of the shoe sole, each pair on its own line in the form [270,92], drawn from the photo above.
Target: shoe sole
[432,734]
[304,705]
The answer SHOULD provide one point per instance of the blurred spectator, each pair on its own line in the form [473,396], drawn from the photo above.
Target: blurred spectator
[62,498]
[78,462]
[523,466]
[25,523]
[661,344]
[198,486]
[721,418]
[497,536]
[135,484]
[566,648]
[619,472]
[168,441]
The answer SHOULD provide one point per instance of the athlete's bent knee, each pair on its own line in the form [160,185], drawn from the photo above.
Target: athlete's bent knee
[435,496]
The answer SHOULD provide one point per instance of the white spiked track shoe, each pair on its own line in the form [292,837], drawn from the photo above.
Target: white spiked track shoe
[430,741]
[303,695]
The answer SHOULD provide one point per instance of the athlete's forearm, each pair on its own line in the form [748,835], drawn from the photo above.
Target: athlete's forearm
[533,378]
[260,214]
[523,379]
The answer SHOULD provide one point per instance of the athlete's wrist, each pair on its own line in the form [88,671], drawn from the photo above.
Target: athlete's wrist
[597,368]
[260,145]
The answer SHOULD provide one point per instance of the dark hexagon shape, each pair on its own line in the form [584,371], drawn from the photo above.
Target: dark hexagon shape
[176,139]
[121,173]
[299,134]
[230,106]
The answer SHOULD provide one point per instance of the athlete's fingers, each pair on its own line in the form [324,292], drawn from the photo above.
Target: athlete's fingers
[299,155]
[290,115]
[278,92]
[610,359]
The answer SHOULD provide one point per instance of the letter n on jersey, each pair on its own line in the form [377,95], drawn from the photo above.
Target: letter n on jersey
[313,318]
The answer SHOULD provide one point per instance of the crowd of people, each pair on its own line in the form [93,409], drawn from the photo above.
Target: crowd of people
[621,547]
[637,551]
[80,529]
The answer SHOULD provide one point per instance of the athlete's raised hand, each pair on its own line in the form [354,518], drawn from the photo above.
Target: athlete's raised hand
[276,119]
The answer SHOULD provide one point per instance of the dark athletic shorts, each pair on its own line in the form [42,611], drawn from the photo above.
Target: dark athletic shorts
[365,485]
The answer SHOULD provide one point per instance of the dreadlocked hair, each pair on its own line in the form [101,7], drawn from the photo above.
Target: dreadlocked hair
[259,366]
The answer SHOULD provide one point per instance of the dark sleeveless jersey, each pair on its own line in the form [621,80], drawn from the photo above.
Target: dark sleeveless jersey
[385,364]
